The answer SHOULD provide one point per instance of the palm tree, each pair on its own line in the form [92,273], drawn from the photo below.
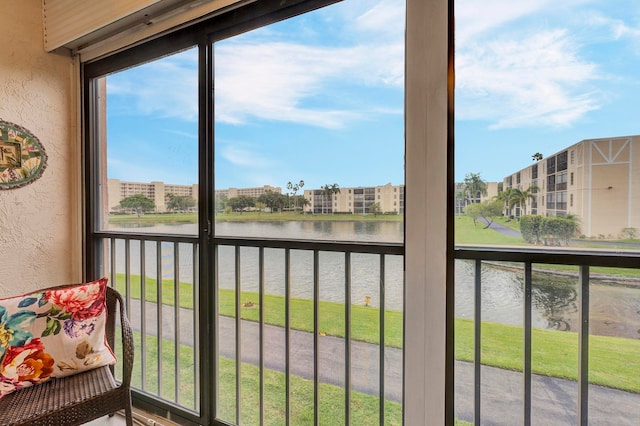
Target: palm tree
[326,194]
[506,197]
[474,186]
[520,197]
[333,189]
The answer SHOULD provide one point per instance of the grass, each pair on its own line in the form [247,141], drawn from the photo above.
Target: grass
[151,219]
[364,408]
[613,361]
[364,320]
[468,233]
[183,218]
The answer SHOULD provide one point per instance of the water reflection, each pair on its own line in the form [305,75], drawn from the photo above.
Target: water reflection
[614,303]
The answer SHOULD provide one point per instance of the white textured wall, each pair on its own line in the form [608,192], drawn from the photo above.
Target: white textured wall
[38,223]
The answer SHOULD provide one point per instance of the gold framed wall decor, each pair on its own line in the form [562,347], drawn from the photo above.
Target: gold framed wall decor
[22,156]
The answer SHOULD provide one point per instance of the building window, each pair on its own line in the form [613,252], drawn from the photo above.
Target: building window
[561,182]
[571,198]
[551,165]
[572,176]
[562,161]
[551,183]
[573,156]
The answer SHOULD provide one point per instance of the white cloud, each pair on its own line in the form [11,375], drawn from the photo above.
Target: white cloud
[517,77]
[475,17]
[244,157]
[278,80]
[383,18]
[259,78]
[166,88]
[616,29]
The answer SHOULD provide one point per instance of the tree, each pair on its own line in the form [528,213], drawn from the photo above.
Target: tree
[487,211]
[294,188]
[221,203]
[180,202]
[273,200]
[334,189]
[327,194]
[520,197]
[537,156]
[375,209]
[506,197]
[474,187]
[138,203]
[241,202]
[302,201]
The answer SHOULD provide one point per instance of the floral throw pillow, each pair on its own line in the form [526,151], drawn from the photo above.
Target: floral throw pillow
[52,333]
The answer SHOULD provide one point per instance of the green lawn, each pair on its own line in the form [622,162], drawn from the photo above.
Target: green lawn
[364,320]
[182,218]
[364,408]
[614,362]
[468,233]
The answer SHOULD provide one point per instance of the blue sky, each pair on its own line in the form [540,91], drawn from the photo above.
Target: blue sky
[320,97]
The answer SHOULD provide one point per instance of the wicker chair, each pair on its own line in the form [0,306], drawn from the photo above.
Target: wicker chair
[80,398]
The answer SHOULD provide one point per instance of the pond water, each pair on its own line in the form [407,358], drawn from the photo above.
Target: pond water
[615,308]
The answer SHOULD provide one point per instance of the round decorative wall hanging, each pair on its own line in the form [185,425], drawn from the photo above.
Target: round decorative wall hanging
[22,156]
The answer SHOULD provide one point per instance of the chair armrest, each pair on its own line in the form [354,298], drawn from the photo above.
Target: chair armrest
[127,339]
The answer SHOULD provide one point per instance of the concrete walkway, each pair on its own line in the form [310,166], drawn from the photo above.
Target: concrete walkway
[554,401]
[503,229]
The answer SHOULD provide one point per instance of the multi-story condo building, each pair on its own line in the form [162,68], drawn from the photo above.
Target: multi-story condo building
[356,200]
[597,180]
[156,191]
[159,192]
[249,192]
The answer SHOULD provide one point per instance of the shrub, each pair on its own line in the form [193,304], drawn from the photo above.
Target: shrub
[549,230]
[530,228]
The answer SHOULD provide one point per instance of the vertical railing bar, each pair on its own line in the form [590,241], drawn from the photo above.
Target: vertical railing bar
[176,310]
[112,249]
[583,360]
[347,338]
[261,333]
[196,324]
[528,283]
[216,345]
[287,335]
[316,342]
[382,339]
[238,337]
[477,340]
[159,311]
[143,313]
[127,274]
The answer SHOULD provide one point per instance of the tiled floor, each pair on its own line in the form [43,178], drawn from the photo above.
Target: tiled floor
[116,420]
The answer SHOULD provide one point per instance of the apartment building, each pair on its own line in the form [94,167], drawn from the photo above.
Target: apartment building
[156,191]
[597,180]
[357,200]
[249,192]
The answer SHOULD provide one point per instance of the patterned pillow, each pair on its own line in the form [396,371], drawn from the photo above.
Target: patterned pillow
[52,333]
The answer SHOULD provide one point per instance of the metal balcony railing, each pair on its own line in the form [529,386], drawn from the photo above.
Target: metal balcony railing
[159,277]
[523,259]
